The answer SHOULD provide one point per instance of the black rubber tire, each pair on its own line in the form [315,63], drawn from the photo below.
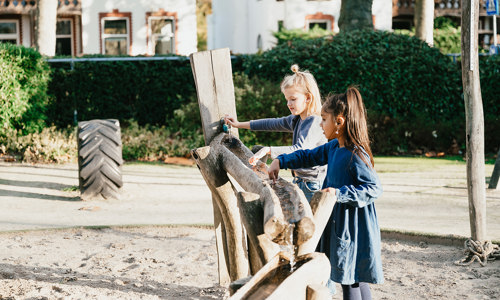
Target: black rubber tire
[99,159]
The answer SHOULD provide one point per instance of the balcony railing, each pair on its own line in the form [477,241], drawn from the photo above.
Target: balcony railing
[25,7]
[441,7]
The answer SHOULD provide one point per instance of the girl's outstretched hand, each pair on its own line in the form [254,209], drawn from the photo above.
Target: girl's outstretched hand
[231,121]
[261,153]
[274,170]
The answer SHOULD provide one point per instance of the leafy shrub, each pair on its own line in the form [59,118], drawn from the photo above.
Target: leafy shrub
[403,81]
[283,36]
[447,40]
[446,35]
[24,77]
[152,143]
[51,145]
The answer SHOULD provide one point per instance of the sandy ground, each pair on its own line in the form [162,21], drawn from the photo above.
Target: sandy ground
[180,263]
[147,261]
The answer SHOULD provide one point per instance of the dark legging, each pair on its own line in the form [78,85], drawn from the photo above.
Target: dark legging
[357,291]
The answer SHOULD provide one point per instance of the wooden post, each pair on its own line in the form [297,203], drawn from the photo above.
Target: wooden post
[474,120]
[496,173]
[212,74]
[223,191]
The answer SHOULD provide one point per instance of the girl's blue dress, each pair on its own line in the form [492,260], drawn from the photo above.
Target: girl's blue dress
[351,239]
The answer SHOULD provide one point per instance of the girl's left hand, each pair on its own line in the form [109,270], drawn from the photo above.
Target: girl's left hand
[274,170]
[329,190]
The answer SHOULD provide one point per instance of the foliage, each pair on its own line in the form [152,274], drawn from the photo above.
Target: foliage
[51,145]
[446,38]
[489,68]
[255,98]
[444,22]
[146,91]
[286,35]
[24,77]
[153,143]
[411,90]
[203,9]
[258,98]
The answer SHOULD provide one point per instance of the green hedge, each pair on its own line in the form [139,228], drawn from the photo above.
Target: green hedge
[413,93]
[146,91]
[24,76]
[489,67]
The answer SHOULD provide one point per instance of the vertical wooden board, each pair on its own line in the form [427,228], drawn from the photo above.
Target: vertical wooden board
[224,87]
[201,64]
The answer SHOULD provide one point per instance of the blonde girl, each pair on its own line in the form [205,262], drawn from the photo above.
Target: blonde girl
[351,239]
[304,102]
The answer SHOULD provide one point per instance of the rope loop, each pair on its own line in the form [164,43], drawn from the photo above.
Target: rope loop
[480,251]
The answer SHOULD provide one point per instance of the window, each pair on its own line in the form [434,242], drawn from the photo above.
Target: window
[320,23]
[162,38]
[115,36]
[320,20]
[9,31]
[64,37]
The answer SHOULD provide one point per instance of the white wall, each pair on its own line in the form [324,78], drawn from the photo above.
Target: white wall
[186,22]
[236,24]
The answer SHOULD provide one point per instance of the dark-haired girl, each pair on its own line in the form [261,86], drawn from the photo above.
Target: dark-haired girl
[351,239]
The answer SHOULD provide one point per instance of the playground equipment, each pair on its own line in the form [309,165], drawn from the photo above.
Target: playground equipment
[262,228]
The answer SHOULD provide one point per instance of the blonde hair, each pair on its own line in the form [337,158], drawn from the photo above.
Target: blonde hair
[304,81]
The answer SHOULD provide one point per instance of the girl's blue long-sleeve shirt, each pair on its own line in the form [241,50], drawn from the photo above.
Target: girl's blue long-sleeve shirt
[307,134]
[351,239]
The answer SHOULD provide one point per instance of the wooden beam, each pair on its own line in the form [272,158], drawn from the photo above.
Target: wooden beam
[474,120]
[220,185]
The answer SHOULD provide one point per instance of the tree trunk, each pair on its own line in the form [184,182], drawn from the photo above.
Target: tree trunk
[424,21]
[474,120]
[46,20]
[355,15]
[496,173]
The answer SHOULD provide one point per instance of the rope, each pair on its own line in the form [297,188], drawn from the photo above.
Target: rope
[480,251]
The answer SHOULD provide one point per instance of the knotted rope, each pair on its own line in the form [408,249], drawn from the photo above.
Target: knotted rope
[480,251]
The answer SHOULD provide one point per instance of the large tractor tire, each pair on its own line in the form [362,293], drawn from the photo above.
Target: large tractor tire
[99,159]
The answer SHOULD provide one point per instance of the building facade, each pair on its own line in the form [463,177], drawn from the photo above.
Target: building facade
[246,26]
[404,10]
[112,27]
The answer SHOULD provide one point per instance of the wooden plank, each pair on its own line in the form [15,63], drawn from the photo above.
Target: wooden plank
[496,173]
[224,87]
[201,64]
[213,76]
